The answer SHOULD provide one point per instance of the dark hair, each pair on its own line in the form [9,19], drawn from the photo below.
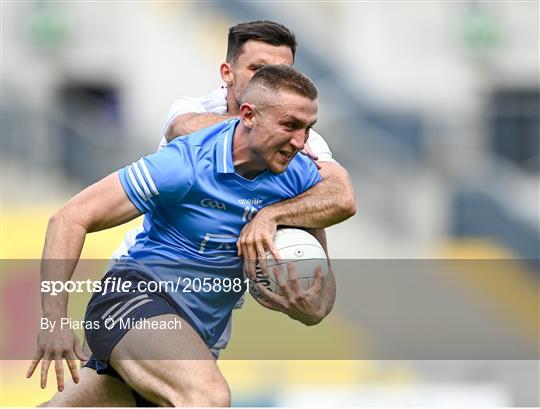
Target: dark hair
[283,77]
[265,31]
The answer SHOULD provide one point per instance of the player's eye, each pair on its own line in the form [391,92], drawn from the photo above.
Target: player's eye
[290,125]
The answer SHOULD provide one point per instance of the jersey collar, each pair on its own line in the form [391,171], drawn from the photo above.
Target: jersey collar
[224,144]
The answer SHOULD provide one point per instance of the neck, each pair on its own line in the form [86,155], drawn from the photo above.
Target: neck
[246,161]
[232,106]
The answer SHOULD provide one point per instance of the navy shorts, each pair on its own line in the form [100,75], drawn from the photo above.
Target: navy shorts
[107,312]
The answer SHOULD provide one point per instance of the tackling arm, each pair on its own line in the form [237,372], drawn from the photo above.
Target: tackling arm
[185,124]
[329,202]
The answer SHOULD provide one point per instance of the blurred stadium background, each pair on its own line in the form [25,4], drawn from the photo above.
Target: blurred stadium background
[433,107]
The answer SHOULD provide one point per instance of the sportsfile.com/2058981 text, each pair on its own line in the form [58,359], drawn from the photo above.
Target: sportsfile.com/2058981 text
[117,284]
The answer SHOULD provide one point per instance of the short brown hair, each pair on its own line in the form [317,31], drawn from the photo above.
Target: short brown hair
[265,31]
[282,77]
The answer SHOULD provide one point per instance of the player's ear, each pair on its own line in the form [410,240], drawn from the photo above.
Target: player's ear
[226,73]
[247,114]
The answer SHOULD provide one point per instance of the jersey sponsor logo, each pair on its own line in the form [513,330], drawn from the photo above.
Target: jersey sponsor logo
[253,201]
[214,204]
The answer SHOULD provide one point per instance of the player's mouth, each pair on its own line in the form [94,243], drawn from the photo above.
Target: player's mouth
[286,155]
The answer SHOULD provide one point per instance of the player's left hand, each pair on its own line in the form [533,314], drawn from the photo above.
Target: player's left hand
[256,238]
[306,306]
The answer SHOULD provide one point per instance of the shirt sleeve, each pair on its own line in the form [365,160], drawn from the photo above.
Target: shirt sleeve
[312,176]
[162,176]
[319,147]
[183,105]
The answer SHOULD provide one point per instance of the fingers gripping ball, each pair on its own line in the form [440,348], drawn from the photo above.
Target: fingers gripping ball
[300,248]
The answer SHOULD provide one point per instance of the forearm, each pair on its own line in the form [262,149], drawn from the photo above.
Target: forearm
[329,202]
[63,244]
[187,123]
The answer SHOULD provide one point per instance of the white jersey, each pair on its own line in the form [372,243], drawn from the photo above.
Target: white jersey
[216,103]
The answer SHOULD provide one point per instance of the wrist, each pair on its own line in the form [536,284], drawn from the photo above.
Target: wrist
[271,214]
[54,313]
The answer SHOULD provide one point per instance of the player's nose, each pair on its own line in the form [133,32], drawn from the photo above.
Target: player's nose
[298,140]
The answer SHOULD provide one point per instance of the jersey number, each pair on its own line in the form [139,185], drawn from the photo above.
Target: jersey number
[215,237]
[249,212]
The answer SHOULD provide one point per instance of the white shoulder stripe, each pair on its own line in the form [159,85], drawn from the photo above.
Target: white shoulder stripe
[141,180]
[148,177]
[225,152]
[135,184]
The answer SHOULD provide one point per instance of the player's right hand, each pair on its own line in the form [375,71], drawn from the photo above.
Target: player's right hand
[256,238]
[54,346]
[307,306]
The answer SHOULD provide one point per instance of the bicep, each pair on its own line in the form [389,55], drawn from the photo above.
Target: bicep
[333,172]
[334,186]
[102,205]
[336,182]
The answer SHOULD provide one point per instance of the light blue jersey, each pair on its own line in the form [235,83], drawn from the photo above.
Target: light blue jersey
[195,206]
